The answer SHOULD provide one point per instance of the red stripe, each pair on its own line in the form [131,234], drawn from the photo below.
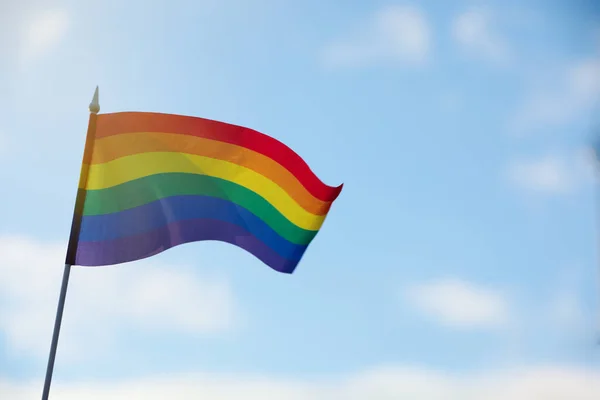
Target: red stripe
[130,122]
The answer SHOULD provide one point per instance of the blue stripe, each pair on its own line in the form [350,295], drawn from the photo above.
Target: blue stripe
[151,216]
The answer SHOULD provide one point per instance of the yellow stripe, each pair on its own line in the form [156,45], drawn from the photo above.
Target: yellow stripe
[125,169]
[126,144]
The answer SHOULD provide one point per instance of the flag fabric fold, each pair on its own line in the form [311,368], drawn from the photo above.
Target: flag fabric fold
[155,181]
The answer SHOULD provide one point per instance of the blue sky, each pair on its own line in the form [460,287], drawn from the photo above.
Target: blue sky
[459,261]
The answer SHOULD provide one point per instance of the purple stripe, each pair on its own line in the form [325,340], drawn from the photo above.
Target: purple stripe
[136,247]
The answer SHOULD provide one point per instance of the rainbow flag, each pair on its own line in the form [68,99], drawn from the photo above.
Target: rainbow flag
[153,181]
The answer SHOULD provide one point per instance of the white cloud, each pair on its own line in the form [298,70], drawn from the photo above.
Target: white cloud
[562,97]
[460,304]
[386,383]
[396,34]
[547,174]
[474,32]
[43,32]
[100,300]
[551,173]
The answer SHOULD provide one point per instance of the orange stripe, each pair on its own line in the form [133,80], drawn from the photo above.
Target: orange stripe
[112,147]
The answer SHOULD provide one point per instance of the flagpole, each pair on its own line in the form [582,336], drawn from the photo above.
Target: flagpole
[596,189]
[57,323]
[73,239]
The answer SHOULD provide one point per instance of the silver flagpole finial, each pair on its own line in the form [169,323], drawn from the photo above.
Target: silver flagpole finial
[95,104]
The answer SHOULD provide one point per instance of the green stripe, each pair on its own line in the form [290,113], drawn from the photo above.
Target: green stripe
[151,188]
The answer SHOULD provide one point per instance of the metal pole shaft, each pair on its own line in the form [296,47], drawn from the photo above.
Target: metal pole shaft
[57,323]
[73,237]
[597,209]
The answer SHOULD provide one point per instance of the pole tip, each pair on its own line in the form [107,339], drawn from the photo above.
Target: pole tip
[95,104]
